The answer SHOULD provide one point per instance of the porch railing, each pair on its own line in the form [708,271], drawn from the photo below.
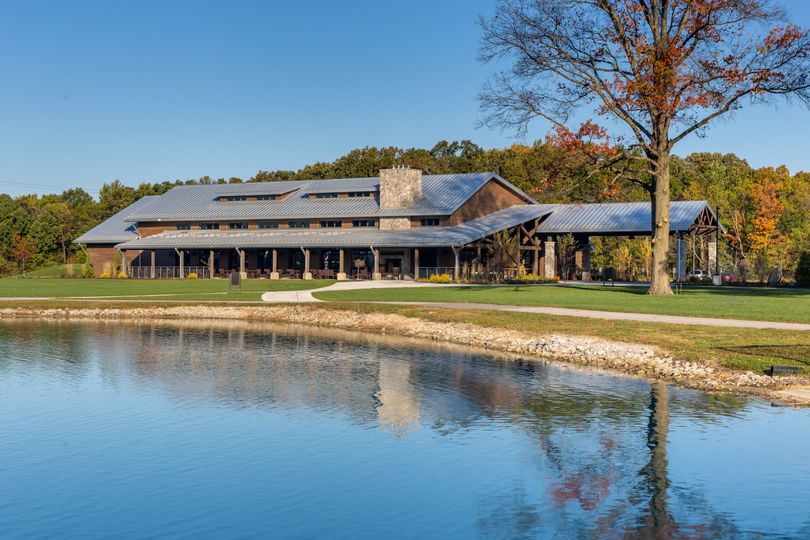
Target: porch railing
[168,272]
[426,271]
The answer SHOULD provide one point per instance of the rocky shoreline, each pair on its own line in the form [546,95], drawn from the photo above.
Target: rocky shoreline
[632,359]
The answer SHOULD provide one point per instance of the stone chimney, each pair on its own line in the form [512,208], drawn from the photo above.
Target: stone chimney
[399,187]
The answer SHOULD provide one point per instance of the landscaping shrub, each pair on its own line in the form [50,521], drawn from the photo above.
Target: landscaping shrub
[531,278]
[440,278]
[105,275]
[122,275]
[803,270]
[192,275]
[87,271]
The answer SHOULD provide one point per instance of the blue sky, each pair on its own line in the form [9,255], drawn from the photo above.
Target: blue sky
[147,91]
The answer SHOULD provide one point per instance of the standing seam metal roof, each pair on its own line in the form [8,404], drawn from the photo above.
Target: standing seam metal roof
[115,229]
[441,195]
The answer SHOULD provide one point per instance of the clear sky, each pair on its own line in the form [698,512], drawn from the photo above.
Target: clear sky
[94,91]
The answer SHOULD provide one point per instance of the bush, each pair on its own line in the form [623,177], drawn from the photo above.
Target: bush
[440,278]
[105,275]
[192,275]
[803,270]
[531,278]
[122,275]
[87,271]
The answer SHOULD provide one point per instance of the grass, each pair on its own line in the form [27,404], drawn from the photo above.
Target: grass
[56,271]
[789,305]
[169,289]
[733,348]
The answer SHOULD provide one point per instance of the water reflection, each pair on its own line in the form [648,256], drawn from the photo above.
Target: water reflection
[539,450]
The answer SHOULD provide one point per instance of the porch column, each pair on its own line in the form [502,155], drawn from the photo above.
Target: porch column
[415,263]
[536,262]
[182,255]
[550,269]
[211,266]
[152,269]
[456,264]
[377,275]
[307,273]
[242,263]
[274,273]
[124,267]
[341,275]
[714,264]
[586,259]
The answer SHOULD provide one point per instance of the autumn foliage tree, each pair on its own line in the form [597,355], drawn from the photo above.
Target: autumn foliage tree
[657,70]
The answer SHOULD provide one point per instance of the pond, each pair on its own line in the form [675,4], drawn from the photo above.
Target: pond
[198,431]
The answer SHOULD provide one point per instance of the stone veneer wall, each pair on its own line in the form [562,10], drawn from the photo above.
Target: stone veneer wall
[399,188]
[395,224]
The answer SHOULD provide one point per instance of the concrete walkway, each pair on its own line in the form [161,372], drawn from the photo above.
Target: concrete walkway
[306,297]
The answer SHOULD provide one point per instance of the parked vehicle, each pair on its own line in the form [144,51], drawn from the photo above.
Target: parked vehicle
[729,278]
[699,274]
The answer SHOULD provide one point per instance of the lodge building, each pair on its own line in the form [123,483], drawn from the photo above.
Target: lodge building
[402,224]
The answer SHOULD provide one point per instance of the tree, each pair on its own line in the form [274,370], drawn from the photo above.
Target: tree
[660,70]
[14,220]
[52,233]
[22,250]
[504,252]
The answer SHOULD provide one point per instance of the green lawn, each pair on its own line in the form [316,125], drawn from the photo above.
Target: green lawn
[733,348]
[171,289]
[729,303]
[57,271]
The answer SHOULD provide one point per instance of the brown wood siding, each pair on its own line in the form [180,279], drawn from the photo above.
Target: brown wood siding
[102,259]
[493,196]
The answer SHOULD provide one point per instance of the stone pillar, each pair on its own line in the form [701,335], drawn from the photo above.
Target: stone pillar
[307,273]
[714,266]
[211,266]
[586,259]
[416,263]
[274,274]
[377,275]
[680,264]
[550,267]
[341,275]
[152,269]
[182,256]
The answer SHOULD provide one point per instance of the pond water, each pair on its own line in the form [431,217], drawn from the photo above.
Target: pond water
[137,431]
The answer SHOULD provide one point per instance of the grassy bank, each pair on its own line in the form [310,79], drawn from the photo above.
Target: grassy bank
[729,303]
[730,348]
[167,289]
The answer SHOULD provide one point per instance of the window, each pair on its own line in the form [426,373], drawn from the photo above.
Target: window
[268,224]
[238,225]
[233,198]
[183,227]
[362,223]
[326,195]
[361,194]
[430,222]
[266,197]
[298,224]
[331,224]
[209,226]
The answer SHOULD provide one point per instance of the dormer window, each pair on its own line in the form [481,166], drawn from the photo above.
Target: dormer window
[326,195]
[430,222]
[236,198]
[352,194]
[266,197]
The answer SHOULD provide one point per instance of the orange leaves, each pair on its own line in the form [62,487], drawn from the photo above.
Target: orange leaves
[590,137]
[769,208]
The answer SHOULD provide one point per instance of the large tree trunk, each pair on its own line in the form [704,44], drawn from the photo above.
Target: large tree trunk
[659,280]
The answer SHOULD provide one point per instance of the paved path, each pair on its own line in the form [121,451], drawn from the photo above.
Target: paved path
[306,297]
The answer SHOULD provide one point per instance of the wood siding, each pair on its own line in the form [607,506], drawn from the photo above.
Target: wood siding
[493,196]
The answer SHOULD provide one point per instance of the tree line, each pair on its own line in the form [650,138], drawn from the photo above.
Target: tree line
[766,211]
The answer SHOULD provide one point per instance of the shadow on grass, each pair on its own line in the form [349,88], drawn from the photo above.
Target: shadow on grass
[689,290]
[795,353]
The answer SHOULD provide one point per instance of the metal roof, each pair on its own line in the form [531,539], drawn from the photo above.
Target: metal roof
[457,235]
[115,229]
[619,218]
[441,195]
